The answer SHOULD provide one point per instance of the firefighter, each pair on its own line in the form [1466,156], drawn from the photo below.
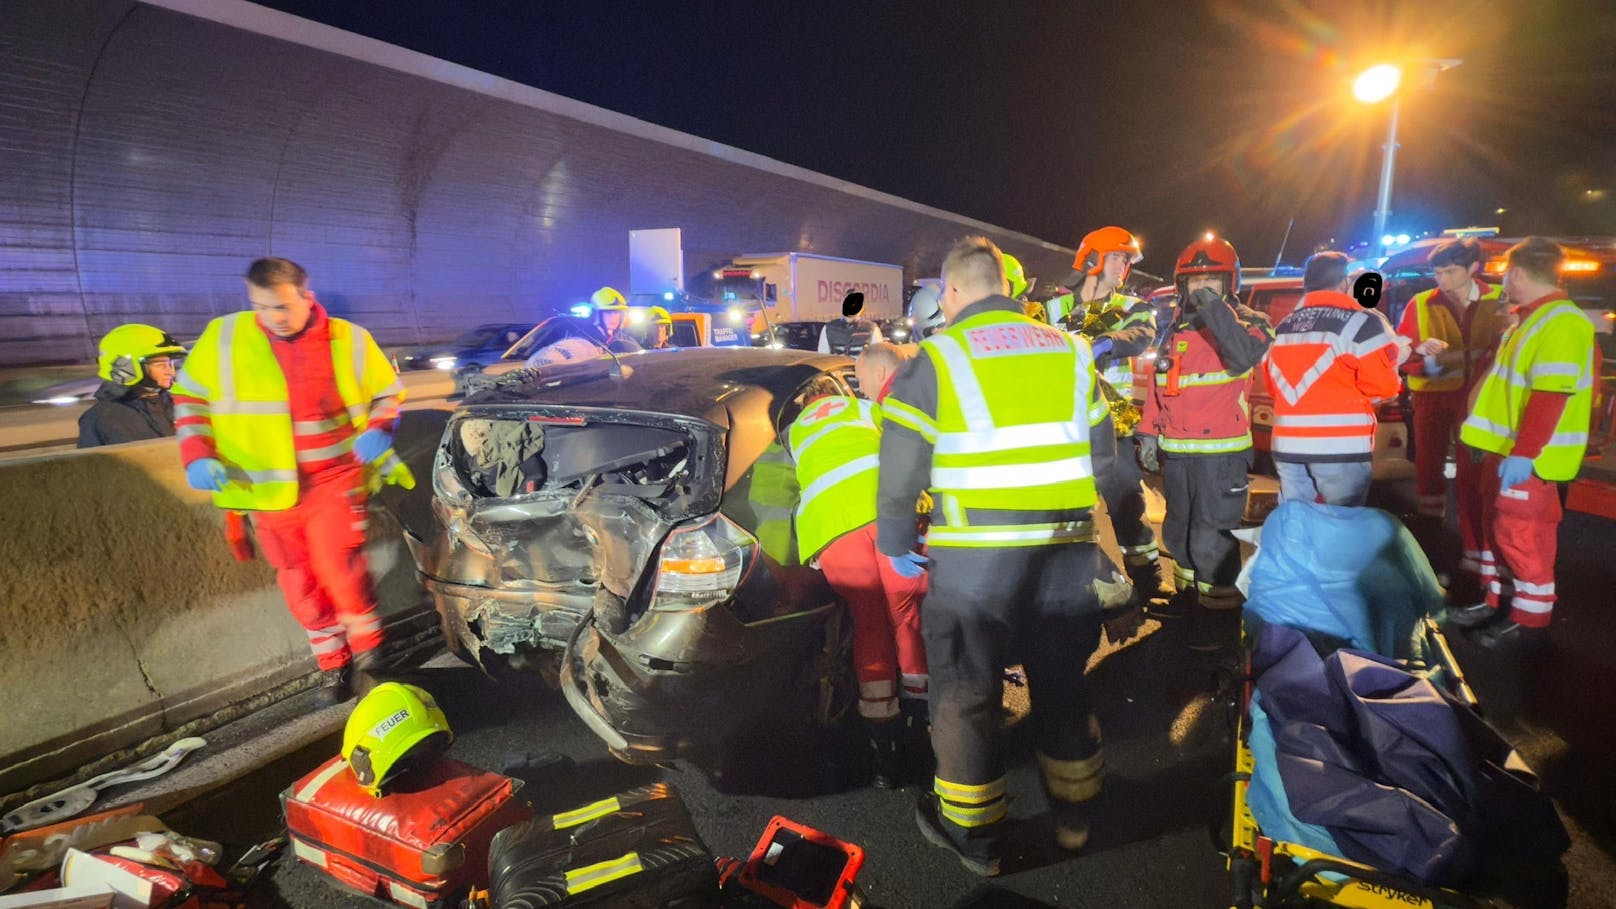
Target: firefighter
[848,335]
[136,366]
[1452,326]
[1013,558]
[1331,361]
[1529,420]
[659,330]
[611,316]
[835,443]
[281,412]
[1120,328]
[1195,426]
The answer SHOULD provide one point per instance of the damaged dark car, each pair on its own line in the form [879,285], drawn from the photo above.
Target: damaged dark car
[629,523]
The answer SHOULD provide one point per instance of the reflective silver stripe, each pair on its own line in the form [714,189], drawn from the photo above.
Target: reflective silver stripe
[193,430]
[1529,604]
[1027,435]
[797,451]
[1568,438]
[1535,589]
[967,390]
[878,708]
[915,682]
[1203,378]
[846,471]
[1342,445]
[1479,422]
[396,388]
[271,476]
[1009,476]
[325,452]
[315,427]
[365,625]
[1323,420]
[581,879]
[882,688]
[319,781]
[407,897]
[181,411]
[1204,446]
[308,853]
[1076,531]
[261,408]
[182,386]
[227,366]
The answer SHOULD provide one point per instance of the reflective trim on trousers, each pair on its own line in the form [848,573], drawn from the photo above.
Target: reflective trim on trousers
[969,793]
[914,685]
[324,452]
[1073,781]
[1013,535]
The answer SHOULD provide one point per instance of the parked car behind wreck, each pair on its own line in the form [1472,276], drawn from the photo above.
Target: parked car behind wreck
[633,518]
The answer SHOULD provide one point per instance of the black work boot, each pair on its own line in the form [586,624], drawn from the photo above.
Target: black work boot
[1146,577]
[336,686]
[976,847]
[1177,606]
[886,742]
[1471,616]
[366,666]
[1071,824]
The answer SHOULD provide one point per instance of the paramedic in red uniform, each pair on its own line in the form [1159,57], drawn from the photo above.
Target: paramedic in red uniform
[1452,326]
[280,412]
[1528,421]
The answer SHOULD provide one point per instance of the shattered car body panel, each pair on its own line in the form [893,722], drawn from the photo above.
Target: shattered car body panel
[629,516]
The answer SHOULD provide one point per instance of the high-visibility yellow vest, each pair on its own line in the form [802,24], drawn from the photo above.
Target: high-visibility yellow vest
[1552,351]
[1436,322]
[836,443]
[772,494]
[232,367]
[1119,370]
[1011,433]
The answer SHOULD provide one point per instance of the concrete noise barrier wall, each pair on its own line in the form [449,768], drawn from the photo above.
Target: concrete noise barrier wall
[123,613]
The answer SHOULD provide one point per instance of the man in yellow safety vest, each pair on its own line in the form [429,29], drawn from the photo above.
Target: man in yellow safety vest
[1530,420]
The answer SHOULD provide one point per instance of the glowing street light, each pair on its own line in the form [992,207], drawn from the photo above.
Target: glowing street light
[1376,84]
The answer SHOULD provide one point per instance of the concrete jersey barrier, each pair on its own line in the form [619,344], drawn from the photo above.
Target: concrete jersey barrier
[124,615]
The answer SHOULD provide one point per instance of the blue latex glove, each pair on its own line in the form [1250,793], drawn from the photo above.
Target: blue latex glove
[1514,471]
[371,444]
[909,565]
[206,474]
[1432,367]
[1101,347]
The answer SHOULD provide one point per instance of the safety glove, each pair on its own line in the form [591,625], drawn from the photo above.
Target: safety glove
[1149,453]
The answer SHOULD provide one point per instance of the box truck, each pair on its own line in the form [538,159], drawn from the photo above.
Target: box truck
[805,287]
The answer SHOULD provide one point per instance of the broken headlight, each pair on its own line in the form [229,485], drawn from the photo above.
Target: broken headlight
[702,563]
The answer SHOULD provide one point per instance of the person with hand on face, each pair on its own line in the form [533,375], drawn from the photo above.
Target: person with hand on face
[835,443]
[1529,419]
[287,413]
[1195,425]
[1331,362]
[136,364]
[1013,560]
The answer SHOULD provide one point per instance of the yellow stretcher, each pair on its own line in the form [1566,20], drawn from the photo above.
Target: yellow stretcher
[1271,873]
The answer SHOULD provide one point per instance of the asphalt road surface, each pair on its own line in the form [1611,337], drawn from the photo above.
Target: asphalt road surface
[1167,739]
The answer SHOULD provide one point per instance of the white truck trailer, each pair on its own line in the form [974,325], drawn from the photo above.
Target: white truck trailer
[805,287]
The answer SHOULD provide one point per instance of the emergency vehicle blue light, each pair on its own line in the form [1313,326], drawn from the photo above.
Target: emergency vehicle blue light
[581,310]
[667,295]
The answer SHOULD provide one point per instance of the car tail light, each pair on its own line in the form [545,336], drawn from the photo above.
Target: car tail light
[702,563]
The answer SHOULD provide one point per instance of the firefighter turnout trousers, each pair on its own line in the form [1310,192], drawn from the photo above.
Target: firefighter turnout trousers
[1206,499]
[1522,527]
[318,550]
[986,609]
[888,652]
[1121,486]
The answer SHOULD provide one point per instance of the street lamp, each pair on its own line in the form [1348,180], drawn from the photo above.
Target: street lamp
[1376,84]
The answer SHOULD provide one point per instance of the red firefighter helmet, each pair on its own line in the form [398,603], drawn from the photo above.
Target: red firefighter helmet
[1210,255]
[1100,243]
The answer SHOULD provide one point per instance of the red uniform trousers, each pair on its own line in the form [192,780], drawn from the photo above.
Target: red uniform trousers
[889,654]
[1469,483]
[1437,417]
[1522,530]
[318,550]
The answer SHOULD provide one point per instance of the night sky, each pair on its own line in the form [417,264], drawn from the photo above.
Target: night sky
[1054,118]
